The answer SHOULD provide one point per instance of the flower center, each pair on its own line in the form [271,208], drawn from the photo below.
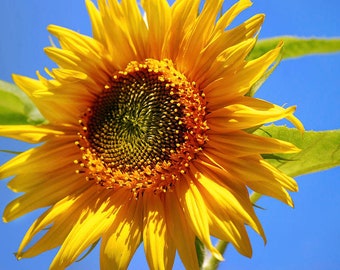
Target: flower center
[135,122]
[143,129]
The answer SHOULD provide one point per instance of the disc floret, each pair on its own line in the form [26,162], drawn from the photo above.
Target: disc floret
[145,127]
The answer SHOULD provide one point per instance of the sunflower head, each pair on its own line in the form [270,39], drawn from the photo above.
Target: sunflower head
[144,129]
[145,139]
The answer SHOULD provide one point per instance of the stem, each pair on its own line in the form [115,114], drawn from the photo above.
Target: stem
[211,263]
[254,197]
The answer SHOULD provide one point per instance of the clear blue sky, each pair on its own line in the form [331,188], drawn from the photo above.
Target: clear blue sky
[306,237]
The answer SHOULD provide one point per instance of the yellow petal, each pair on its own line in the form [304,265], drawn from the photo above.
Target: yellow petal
[28,85]
[181,233]
[58,224]
[227,60]
[31,160]
[158,20]
[254,70]
[197,35]
[96,20]
[247,29]
[121,240]
[251,171]
[231,14]
[227,202]
[48,193]
[64,58]
[97,215]
[238,83]
[124,32]
[28,133]
[51,101]
[230,231]
[246,112]
[242,144]
[75,42]
[195,211]
[158,246]
[183,13]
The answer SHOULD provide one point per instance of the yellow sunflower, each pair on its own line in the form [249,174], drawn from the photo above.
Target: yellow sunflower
[145,137]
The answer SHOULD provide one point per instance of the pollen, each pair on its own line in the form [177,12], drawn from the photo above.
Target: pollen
[143,130]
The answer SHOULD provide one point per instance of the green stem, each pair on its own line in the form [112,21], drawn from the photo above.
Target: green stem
[211,263]
[254,197]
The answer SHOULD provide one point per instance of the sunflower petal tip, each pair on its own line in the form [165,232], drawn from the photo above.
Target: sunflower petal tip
[262,16]
[260,232]
[248,252]
[16,77]
[50,27]
[53,29]
[246,3]
[294,120]
[18,255]
[295,149]
[290,202]
[264,238]
[217,255]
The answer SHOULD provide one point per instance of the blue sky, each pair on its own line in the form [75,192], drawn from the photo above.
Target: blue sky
[306,237]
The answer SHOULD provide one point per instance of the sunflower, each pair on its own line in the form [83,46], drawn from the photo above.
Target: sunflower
[145,139]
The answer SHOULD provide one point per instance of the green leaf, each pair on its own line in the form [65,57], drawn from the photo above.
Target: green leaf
[16,108]
[320,150]
[296,47]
